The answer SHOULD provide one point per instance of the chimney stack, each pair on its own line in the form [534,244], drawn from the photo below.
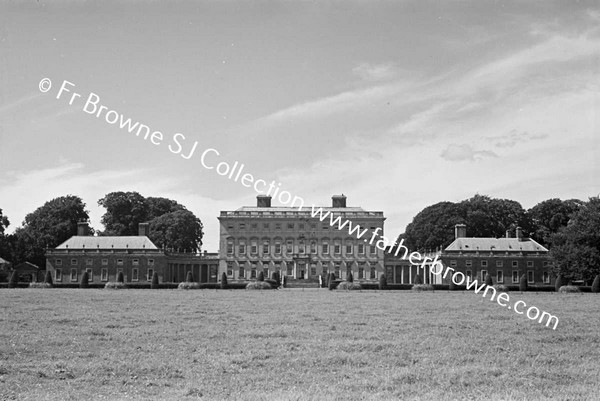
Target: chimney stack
[460,231]
[143,229]
[507,233]
[83,229]
[338,201]
[519,233]
[263,201]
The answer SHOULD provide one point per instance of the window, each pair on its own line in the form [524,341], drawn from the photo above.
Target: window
[277,248]
[484,263]
[313,247]
[104,274]
[73,262]
[89,262]
[324,268]
[373,271]
[58,262]
[546,277]
[278,226]
[266,226]
[136,262]
[499,263]
[361,249]
[230,269]
[301,248]
[253,248]
[119,262]
[313,226]
[530,263]
[104,262]
[301,226]
[290,226]
[515,263]
[372,249]
[266,270]
[254,226]
[313,269]
[453,263]
[337,249]
[242,273]
[90,274]
[361,271]
[469,274]
[483,274]
[150,262]
[73,274]
[149,274]
[325,248]
[242,226]
[289,246]
[325,227]
[468,263]
[135,274]
[229,247]
[230,226]
[242,249]
[530,276]
[348,249]
[336,267]
[515,276]
[499,276]
[58,275]
[266,248]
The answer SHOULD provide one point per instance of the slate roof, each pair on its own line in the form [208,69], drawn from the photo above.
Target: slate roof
[27,266]
[109,242]
[495,244]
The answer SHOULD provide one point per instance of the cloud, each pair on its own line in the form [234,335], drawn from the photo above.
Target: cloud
[513,137]
[465,152]
[374,72]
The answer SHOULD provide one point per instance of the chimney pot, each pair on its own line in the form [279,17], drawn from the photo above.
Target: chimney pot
[83,229]
[143,229]
[519,233]
[263,201]
[338,201]
[460,231]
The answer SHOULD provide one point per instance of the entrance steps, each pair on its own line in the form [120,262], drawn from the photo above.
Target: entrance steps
[302,283]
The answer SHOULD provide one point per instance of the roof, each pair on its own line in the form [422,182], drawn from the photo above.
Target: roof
[495,244]
[108,242]
[3,261]
[297,209]
[305,212]
[27,266]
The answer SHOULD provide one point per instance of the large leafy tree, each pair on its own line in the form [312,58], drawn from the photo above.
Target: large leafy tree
[4,239]
[171,224]
[549,216]
[433,226]
[576,246]
[47,226]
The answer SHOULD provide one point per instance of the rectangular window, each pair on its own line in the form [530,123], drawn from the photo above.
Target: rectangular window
[289,247]
[89,262]
[229,269]
[468,263]
[278,226]
[373,272]
[325,248]
[499,263]
[515,276]
[104,274]
[337,249]
[150,262]
[266,226]
[361,271]
[73,262]
[266,271]
[58,275]
[90,275]
[290,226]
[242,226]
[73,274]
[546,277]
[484,263]
[230,248]
[325,227]
[453,263]
[499,276]
[136,262]
[254,226]
[242,249]
[530,276]
[372,249]
[135,274]
[277,248]
[230,226]
[265,248]
[530,263]
[58,262]
[515,263]
[104,262]
[469,274]
[242,273]
[290,269]
[361,249]
[483,274]
[119,262]
[149,274]
[313,247]
[254,248]
[301,248]
[348,249]
[313,270]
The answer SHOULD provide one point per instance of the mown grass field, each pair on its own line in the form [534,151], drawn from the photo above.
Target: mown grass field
[293,345]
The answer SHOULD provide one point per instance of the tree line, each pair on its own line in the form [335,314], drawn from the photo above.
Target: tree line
[570,229]
[171,225]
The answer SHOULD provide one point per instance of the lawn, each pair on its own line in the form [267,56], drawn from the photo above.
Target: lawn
[67,344]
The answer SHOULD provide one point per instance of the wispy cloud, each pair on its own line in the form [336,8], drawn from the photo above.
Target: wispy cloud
[465,152]
[375,72]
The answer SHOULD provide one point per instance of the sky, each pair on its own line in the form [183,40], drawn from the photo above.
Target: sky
[396,104]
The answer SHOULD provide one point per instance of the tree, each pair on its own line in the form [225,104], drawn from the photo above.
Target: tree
[189,278]
[331,283]
[596,284]
[433,226]
[224,281]
[488,280]
[350,277]
[549,216]
[124,212]
[14,279]
[558,283]
[48,226]
[4,223]
[418,279]
[382,282]
[261,276]
[523,283]
[576,246]
[85,280]
[48,278]
[157,207]
[5,247]
[154,284]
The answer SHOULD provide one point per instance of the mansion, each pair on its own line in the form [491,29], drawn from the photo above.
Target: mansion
[298,244]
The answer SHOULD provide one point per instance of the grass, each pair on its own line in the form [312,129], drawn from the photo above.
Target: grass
[72,344]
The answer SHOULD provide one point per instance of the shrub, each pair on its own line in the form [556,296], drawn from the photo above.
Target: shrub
[154,284]
[349,285]
[115,285]
[488,280]
[331,281]
[350,278]
[382,282]
[568,288]
[187,285]
[523,283]
[274,284]
[500,288]
[422,287]
[40,285]
[596,284]
[189,278]
[14,280]
[224,281]
[258,285]
[261,276]
[418,280]
[452,285]
[85,280]
[48,278]
[558,283]
[120,277]
[276,277]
